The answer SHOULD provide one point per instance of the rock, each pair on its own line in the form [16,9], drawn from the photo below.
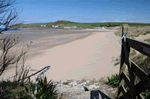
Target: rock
[74,83]
[96,84]
[59,85]
[69,89]
[65,82]
[78,82]
[86,89]
[82,84]
[91,87]
[87,81]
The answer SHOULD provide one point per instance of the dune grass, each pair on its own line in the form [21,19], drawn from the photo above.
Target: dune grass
[135,31]
[13,90]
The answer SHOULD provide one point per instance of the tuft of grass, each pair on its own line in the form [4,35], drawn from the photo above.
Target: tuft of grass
[83,80]
[113,81]
[143,62]
[133,52]
[116,63]
[13,90]
[45,89]
[9,89]
[135,31]
[93,81]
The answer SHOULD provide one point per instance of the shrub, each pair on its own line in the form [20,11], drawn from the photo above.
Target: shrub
[45,89]
[9,89]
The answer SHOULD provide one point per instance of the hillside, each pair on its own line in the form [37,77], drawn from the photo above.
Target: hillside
[83,25]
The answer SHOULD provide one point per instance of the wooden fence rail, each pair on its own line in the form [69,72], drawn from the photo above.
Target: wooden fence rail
[127,88]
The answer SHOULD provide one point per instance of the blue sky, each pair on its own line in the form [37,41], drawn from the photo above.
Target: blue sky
[34,11]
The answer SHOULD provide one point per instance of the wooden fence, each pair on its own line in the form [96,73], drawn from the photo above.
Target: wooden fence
[127,88]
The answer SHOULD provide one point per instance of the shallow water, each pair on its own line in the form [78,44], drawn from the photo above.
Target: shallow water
[44,34]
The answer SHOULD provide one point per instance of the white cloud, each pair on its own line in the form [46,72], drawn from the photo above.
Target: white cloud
[116,20]
[102,21]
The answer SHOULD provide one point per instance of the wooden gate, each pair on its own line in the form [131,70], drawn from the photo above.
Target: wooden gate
[134,90]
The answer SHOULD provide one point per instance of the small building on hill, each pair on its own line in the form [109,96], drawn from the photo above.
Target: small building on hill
[56,26]
[43,25]
[67,28]
[74,27]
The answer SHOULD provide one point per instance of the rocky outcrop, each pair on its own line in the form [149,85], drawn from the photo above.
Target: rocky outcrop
[69,89]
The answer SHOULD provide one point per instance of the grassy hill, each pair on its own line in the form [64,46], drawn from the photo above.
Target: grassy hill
[83,25]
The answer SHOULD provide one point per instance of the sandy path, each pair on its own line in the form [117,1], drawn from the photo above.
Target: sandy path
[89,57]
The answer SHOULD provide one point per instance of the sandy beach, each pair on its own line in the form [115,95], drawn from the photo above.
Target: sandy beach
[89,57]
[81,56]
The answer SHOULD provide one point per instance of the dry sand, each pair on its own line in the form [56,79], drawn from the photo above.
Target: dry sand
[89,57]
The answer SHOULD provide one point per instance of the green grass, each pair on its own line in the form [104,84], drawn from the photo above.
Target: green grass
[113,81]
[84,25]
[13,90]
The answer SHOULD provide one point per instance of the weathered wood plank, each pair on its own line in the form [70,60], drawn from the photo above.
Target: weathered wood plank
[123,90]
[135,90]
[139,46]
[126,79]
[138,71]
[121,61]
[140,96]
[128,63]
[140,87]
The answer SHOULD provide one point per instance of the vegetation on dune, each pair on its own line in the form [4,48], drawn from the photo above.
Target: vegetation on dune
[46,89]
[142,61]
[113,81]
[12,90]
[135,31]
